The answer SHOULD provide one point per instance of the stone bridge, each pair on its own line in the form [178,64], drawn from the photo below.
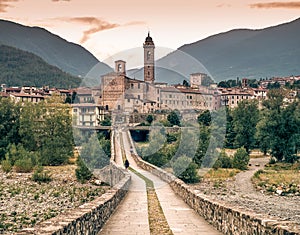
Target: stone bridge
[124,208]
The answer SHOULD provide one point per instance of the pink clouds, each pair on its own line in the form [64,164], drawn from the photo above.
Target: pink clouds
[268,5]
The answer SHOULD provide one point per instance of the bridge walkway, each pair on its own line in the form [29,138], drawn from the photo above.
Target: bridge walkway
[181,218]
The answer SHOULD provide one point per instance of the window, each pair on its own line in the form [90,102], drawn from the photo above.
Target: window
[132,86]
[148,73]
[119,67]
[139,85]
[119,107]
[75,110]
[128,100]
[148,55]
[139,97]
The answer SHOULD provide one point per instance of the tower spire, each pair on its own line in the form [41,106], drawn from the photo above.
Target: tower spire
[149,59]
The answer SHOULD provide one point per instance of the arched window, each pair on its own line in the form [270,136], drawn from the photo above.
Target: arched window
[119,67]
[148,55]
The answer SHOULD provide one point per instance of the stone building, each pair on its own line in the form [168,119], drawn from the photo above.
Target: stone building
[120,93]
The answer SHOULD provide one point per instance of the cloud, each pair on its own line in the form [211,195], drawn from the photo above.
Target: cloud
[5,3]
[96,25]
[224,5]
[268,5]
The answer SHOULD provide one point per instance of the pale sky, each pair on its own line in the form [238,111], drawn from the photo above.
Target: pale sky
[106,27]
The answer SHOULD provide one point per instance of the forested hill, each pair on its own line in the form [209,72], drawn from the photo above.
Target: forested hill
[262,53]
[69,57]
[20,68]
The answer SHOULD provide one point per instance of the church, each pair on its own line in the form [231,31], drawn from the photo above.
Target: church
[120,96]
[121,93]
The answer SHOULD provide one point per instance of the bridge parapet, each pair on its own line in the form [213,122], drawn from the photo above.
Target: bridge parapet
[90,217]
[226,218]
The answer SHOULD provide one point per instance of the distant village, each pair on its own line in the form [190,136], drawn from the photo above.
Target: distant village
[119,93]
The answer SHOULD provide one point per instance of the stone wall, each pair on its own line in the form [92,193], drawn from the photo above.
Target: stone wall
[90,217]
[224,217]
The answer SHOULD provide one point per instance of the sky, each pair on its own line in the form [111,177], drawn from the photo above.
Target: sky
[107,27]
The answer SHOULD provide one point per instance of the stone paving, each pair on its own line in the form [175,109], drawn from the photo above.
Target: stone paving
[181,218]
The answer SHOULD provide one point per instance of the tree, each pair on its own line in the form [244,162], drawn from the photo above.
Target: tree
[93,154]
[205,118]
[185,169]
[241,159]
[245,118]
[82,172]
[174,118]
[9,125]
[230,133]
[57,139]
[185,83]
[280,126]
[149,119]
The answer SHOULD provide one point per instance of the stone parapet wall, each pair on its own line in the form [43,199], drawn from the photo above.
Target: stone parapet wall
[225,217]
[90,217]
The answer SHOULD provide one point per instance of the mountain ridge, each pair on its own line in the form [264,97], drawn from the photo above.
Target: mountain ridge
[68,56]
[22,68]
[252,53]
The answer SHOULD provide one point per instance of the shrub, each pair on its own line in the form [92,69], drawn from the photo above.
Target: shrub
[82,172]
[241,159]
[6,166]
[186,170]
[41,176]
[224,161]
[23,165]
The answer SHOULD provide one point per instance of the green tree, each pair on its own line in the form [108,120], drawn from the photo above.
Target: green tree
[57,139]
[185,83]
[205,118]
[230,133]
[224,161]
[150,119]
[174,118]
[280,126]
[185,169]
[82,173]
[93,154]
[245,118]
[9,125]
[241,159]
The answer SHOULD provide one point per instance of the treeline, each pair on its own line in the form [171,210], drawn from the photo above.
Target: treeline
[34,134]
[274,128]
[20,68]
[256,83]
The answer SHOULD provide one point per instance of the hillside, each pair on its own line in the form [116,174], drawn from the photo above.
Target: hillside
[69,57]
[20,68]
[268,52]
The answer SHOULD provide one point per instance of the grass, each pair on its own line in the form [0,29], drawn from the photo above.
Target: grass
[279,176]
[220,174]
[157,220]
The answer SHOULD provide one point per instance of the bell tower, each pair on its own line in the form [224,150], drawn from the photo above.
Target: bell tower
[149,59]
